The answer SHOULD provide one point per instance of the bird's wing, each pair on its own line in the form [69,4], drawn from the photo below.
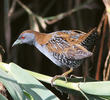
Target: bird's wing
[79,36]
[62,43]
[77,52]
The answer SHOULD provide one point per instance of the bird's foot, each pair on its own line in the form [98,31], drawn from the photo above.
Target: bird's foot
[65,74]
[56,77]
[78,77]
[75,76]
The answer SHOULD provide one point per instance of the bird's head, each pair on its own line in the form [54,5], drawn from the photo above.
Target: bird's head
[27,37]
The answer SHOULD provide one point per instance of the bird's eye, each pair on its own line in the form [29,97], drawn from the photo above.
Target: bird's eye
[22,37]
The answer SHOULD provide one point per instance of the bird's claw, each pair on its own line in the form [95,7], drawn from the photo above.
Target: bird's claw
[56,77]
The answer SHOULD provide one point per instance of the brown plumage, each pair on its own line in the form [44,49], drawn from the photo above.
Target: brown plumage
[66,48]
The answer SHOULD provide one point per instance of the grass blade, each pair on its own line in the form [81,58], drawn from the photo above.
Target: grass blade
[30,84]
[12,86]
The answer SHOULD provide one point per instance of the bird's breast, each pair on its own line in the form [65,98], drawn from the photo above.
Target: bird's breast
[43,49]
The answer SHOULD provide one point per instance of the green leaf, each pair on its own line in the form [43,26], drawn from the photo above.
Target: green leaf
[105,97]
[101,88]
[95,97]
[30,84]
[12,86]
[28,96]
[3,97]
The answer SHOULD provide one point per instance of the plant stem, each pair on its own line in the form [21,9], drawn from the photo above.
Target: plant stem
[57,82]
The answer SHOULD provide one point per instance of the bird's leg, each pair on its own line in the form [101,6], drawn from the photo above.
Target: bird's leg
[67,72]
[62,75]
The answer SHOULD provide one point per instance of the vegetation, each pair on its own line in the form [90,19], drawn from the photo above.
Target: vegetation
[47,16]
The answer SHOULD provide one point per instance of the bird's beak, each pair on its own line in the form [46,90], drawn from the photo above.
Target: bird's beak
[17,42]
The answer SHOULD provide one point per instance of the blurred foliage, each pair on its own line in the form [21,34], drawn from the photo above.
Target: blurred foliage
[14,79]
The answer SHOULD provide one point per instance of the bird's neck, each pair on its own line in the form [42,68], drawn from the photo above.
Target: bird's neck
[43,38]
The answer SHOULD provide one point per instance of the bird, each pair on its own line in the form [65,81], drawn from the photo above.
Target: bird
[65,48]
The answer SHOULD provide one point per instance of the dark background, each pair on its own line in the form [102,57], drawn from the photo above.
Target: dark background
[29,57]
